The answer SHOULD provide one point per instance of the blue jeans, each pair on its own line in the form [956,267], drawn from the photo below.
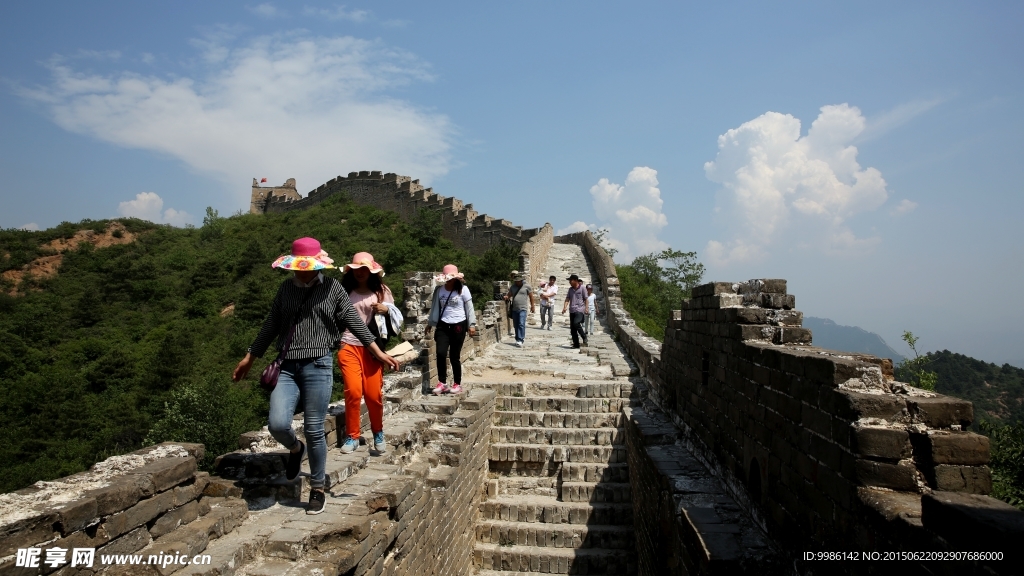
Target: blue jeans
[312,381]
[519,323]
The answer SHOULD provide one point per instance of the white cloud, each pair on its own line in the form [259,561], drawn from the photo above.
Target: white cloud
[31,226]
[337,13]
[265,10]
[577,226]
[903,207]
[304,107]
[150,206]
[779,187]
[898,116]
[631,212]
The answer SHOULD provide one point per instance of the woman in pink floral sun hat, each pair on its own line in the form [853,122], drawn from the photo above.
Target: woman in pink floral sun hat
[451,311]
[363,280]
[309,312]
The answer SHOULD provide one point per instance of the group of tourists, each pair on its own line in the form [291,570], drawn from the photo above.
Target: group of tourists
[579,300]
[315,318]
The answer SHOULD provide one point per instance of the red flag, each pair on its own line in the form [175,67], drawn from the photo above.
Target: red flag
[262,180]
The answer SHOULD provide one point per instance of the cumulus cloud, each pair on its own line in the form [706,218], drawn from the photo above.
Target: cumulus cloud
[337,13]
[304,107]
[903,207]
[631,212]
[31,226]
[781,187]
[150,206]
[577,226]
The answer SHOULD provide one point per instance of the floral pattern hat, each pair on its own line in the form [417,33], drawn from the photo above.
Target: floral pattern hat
[449,272]
[306,255]
[364,260]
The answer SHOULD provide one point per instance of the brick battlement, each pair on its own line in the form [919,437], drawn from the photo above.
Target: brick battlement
[463,225]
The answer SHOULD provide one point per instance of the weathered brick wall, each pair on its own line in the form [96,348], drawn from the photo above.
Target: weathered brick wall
[406,197]
[534,255]
[150,501]
[821,449]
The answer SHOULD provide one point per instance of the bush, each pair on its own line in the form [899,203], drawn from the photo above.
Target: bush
[655,284]
[1007,463]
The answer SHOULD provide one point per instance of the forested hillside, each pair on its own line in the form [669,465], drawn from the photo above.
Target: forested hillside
[997,391]
[134,343]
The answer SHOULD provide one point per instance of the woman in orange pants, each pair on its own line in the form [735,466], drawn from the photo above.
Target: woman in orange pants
[361,372]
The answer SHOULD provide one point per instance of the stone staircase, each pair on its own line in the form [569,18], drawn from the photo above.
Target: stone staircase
[381,509]
[558,492]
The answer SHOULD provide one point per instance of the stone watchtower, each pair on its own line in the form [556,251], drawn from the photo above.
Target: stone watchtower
[261,194]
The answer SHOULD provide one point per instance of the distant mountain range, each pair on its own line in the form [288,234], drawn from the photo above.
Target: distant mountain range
[828,334]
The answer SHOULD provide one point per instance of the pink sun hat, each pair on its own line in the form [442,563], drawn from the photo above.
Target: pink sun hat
[449,272]
[364,260]
[306,255]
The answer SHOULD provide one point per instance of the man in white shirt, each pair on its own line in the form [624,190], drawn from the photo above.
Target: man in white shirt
[548,291]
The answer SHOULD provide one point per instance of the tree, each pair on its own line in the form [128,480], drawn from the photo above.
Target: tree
[600,236]
[913,370]
[684,270]
[654,284]
[1007,462]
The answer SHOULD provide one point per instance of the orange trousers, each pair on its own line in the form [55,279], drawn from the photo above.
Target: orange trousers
[363,378]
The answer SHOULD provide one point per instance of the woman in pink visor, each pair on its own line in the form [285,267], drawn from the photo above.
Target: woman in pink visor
[451,311]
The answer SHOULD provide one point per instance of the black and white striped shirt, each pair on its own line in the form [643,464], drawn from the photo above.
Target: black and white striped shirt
[324,316]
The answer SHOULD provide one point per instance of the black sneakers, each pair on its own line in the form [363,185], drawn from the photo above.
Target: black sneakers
[317,501]
[295,462]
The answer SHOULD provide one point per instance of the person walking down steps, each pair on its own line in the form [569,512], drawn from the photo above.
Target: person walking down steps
[591,317]
[451,312]
[576,302]
[519,295]
[307,317]
[548,292]
[363,280]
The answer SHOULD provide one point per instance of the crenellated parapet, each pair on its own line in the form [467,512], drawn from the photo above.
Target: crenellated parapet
[463,225]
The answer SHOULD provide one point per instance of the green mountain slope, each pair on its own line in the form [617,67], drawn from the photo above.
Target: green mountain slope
[135,343]
[996,391]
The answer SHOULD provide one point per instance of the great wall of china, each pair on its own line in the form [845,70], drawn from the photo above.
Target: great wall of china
[736,447]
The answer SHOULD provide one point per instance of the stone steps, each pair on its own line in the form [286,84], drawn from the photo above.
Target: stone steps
[578,388]
[576,472]
[591,492]
[526,485]
[553,560]
[554,535]
[549,510]
[558,419]
[559,436]
[547,453]
[559,404]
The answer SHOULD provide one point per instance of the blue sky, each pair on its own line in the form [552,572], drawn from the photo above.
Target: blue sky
[671,124]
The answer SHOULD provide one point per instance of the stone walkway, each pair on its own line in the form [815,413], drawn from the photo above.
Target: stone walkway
[558,494]
[555,498]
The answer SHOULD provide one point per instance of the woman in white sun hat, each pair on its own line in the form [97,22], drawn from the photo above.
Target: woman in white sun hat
[307,318]
[451,312]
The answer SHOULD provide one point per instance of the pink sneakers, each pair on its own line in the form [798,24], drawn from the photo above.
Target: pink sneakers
[455,389]
[441,388]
